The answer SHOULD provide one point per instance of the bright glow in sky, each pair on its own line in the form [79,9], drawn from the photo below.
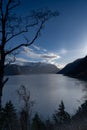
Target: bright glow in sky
[64,38]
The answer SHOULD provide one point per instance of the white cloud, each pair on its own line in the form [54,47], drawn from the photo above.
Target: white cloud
[21,60]
[39,48]
[36,47]
[30,53]
[36,54]
[50,58]
[27,49]
[39,55]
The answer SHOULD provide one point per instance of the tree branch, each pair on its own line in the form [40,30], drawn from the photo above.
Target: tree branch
[7,6]
[14,35]
[1,10]
[15,5]
[27,44]
[4,82]
[21,32]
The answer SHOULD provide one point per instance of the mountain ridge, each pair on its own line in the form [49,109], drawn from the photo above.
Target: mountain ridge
[30,68]
[76,69]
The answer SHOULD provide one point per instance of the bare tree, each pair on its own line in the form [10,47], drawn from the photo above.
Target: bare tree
[12,26]
[25,115]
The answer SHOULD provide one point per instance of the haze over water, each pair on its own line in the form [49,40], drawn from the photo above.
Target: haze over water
[47,91]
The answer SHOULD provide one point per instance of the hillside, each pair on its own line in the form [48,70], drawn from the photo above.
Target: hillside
[30,68]
[77,69]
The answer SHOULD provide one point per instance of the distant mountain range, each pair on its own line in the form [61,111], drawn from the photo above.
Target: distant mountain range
[30,68]
[77,69]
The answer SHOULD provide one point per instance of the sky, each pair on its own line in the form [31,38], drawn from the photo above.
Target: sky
[64,38]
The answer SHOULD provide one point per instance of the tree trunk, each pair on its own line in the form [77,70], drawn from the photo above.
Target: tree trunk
[2,61]
[0,98]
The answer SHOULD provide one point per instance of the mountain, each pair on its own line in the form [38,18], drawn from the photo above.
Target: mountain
[30,68]
[77,69]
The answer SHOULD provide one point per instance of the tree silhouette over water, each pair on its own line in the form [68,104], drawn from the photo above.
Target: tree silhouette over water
[13,26]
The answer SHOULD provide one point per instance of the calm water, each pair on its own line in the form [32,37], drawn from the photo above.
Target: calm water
[47,91]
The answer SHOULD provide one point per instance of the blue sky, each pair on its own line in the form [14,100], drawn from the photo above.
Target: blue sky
[64,38]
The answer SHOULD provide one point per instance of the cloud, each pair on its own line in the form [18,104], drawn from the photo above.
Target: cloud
[40,55]
[44,50]
[39,48]
[50,56]
[27,49]
[36,54]
[63,51]
[30,53]
[21,60]
[36,47]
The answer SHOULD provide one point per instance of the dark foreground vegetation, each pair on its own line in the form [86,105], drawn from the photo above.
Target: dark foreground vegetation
[10,119]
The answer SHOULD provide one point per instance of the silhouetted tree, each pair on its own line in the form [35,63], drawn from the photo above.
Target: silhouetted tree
[81,112]
[9,120]
[24,120]
[12,26]
[79,119]
[37,123]
[49,125]
[83,109]
[1,119]
[25,115]
[61,116]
